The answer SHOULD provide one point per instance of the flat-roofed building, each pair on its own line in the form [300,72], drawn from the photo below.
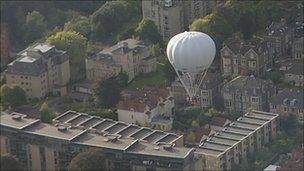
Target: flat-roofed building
[174,16]
[41,146]
[40,69]
[234,143]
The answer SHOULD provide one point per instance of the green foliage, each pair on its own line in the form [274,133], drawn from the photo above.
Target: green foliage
[10,163]
[214,25]
[168,70]
[156,50]
[191,137]
[195,124]
[212,112]
[289,124]
[147,31]
[76,46]
[107,93]
[34,26]
[46,113]
[12,96]
[107,20]
[149,79]
[80,24]
[92,159]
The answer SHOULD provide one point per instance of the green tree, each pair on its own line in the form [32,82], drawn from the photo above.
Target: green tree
[191,137]
[147,31]
[156,50]
[214,25]
[168,70]
[12,96]
[80,24]
[107,92]
[35,25]
[92,159]
[289,124]
[46,113]
[195,123]
[107,20]
[10,163]
[212,112]
[76,46]
[275,77]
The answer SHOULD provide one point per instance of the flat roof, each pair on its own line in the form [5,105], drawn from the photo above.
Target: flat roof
[66,116]
[208,151]
[155,136]
[244,125]
[224,141]
[251,120]
[79,119]
[260,115]
[230,135]
[103,141]
[211,145]
[141,133]
[48,130]
[116,127]
[91,122]
[103,125]
[9,121]
[158,151]
[168,139]
[129,130]
[237,130]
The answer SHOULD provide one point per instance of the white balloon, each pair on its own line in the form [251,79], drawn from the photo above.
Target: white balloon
[191,54]
[191,51]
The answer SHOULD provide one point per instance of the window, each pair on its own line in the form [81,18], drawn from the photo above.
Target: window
[285,109]
[254,99]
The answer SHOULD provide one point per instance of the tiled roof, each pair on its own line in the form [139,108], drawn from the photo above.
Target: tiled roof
[289,95]
[139,99]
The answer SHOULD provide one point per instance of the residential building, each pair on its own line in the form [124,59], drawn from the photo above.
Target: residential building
[240,57]
[130,56]
[150,106]
[297,48]
[209,92]
[293,72]
[289,102]
[279,36]
[297,43]
[234,143]
[174,16]
[41,146]
[245,93]
[5,45]
[40,69]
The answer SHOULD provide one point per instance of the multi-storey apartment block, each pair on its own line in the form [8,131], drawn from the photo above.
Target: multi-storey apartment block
[151,106]
[173,16]
[239,57]
[245,93]
[289,102]
[234,143]
[39,70]
[130,56]
[41,146]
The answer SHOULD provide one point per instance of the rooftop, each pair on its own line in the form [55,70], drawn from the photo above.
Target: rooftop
[16,120]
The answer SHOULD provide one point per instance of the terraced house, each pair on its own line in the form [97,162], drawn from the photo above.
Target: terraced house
[245,93]
[40,69]
[240,57]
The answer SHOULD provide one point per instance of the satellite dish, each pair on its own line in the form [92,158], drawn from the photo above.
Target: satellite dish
[191,54]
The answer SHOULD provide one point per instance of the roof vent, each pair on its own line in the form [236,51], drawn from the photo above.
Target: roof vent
[286,101]
[16,117]
[62,128]
[156,148]
[168,147]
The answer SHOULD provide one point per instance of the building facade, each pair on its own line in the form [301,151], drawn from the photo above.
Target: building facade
[239,57]
[39,70]
[173,16]
[293,72]
[5,45]
[289,102]
[245,93]
[40,146]
[151,106]
[130,56]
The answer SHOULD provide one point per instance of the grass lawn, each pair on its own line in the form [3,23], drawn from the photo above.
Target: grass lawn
[150,79]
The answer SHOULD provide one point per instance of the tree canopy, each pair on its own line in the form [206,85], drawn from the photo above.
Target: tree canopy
[76,46]
[214,25]
[80,24]
[12,96]
[147,31]
[92,159]
[46,113]
[34,26]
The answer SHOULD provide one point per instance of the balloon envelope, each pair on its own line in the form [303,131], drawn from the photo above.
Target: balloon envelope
[191,51]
